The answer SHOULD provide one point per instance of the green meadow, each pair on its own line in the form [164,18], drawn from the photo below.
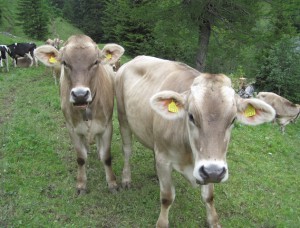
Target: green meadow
[38,169]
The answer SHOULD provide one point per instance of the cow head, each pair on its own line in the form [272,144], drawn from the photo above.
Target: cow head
[209,110]
[79,61]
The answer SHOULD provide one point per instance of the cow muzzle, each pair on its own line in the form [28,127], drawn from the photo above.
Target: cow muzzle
[80,97]
[207,172]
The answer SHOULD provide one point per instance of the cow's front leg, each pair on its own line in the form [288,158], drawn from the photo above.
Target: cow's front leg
[81,149]
[208,198]
[104,144]
[167,190]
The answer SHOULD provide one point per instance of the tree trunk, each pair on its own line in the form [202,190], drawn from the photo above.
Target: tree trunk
[204,35]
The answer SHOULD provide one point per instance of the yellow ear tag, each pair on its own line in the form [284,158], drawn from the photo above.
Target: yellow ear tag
[52,59]
[108,56]
[250,111]
[172,107]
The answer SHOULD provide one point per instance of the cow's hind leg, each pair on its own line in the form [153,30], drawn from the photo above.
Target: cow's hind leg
[126,143]
[127,150]
[167,190]
[208,198]
[104,145]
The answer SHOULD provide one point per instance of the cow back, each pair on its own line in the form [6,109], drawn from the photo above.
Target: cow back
[138,80]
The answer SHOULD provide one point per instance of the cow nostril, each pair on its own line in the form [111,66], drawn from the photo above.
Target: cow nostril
[203,173]
[73,94]
[222,173]
[86,95]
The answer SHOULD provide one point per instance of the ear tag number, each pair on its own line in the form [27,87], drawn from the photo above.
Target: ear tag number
[108,56]
[250,111]
[172,107]
[52,59]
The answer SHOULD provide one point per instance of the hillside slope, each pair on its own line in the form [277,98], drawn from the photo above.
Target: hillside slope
[11,32]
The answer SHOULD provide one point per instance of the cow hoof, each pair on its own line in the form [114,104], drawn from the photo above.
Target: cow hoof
[81,192]
[126,185]
[114,190]
[162,225]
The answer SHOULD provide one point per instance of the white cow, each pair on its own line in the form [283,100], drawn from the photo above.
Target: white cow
[286,111]
[186,118]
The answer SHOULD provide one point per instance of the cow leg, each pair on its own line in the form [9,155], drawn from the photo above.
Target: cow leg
[31,59]
[126,142]
[34,60]
[167,190]
[208,198]
[6,59]
[104,145]
[282,128]
[127,148]
[81,149]
[54,76]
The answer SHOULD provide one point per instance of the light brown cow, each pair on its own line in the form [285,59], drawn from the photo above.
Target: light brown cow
[56,42]
[184,116]
[286,111]
[55,70]
[87,97]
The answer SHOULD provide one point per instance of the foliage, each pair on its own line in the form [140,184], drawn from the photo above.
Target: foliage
[38,170]
[280,69]
[1,14]
[33,18]
[123,24]
[86,15]
[277,53]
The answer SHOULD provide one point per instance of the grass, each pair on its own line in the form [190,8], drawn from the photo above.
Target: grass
[38,170]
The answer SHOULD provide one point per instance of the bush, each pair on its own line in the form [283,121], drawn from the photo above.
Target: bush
[279,71]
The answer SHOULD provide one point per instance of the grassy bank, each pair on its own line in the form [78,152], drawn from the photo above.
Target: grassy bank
[38,170]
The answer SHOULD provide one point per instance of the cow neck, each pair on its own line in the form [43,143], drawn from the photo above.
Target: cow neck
[87,113]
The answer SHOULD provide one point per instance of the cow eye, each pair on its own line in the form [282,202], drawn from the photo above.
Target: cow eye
[191,118]
[96,62]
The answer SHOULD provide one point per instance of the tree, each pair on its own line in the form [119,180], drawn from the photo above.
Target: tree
[86,15]
[91,21]
[279,71]
[278,53]
[33,18]
[233,16]
[123,23]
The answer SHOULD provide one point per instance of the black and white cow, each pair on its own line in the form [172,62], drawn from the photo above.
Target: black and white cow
[17,50]
[3,56]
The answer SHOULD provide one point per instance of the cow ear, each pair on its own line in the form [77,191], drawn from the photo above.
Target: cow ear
[168,104]
[111,53]
[254,111]
[48,55]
